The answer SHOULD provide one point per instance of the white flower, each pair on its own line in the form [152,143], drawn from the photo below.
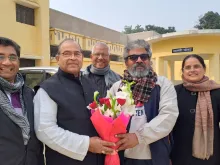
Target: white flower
[102,108]
[124,88]
[108,113]
[130,100]
[128,109]
[88,107]
[118,107]
[121,95]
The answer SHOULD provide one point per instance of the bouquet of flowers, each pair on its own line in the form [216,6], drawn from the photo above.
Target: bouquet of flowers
[111,115]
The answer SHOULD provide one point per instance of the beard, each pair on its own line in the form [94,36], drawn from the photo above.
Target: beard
[139,73]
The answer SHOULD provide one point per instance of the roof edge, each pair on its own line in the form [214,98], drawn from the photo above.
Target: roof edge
[183,33]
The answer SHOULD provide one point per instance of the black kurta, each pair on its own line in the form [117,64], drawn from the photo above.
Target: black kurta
[184,129]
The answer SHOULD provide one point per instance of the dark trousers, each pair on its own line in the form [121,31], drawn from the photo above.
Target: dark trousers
[138,162]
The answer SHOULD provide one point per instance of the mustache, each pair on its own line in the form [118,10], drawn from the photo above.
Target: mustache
[137,73]
[70,63]
[139,65]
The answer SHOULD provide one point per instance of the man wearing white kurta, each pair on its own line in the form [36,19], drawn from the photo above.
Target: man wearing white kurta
[62,121]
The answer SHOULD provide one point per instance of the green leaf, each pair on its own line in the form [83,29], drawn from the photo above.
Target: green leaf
[96,93]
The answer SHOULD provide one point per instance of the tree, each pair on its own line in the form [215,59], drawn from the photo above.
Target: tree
[210,20]
[138,29]
[158,29]
[128,30]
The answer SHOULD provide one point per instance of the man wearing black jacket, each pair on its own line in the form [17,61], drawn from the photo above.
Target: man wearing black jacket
[99,72]
[62,120]
[18,142]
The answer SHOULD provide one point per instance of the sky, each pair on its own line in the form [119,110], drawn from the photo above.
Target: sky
[115,14]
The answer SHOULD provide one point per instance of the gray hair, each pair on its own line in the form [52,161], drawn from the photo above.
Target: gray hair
[66,40]
[100,44]
[137,44]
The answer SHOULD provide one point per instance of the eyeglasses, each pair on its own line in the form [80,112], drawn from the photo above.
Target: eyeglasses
[11,58]
[69,54]
[100,54]
[189,67]
[134,58]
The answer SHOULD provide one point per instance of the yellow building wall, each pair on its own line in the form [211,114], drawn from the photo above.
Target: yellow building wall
[32,39]
[86,42]
[35,40]
[57,36]
[205,45]
[200,44]
[118,67]
[53,62]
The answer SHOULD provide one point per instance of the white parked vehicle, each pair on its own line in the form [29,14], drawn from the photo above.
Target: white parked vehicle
[35,75]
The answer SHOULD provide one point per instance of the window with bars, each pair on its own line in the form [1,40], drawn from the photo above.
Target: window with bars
[86,53]
[58,34]
[53,50]
[114,57]
[25,15]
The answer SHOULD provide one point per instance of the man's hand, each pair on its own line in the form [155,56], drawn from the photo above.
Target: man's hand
[128,140]
[99,146]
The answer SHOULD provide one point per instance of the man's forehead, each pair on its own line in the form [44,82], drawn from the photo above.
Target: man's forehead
[100,48]
[7,50]
[70,45]
[137,51]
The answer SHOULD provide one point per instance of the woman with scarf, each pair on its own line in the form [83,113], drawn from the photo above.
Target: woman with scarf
[18,143]
[196,133]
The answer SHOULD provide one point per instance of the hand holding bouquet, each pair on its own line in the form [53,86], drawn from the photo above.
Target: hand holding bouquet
[111,115]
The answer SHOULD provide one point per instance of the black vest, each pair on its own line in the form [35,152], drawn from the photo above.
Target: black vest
[12,148]
[72,97]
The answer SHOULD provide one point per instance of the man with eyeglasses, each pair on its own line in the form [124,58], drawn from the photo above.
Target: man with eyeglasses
[99,71]
[62,121]
[147,141]
[18,142]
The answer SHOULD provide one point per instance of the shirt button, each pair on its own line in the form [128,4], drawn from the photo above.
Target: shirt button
[193,93]
[192,110]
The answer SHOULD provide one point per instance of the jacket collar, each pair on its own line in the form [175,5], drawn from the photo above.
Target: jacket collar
[68,75]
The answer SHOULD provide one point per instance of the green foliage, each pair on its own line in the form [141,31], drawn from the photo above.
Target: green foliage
[158,29]
[210,20]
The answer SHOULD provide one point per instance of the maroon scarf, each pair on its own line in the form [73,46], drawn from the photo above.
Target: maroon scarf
[142,88]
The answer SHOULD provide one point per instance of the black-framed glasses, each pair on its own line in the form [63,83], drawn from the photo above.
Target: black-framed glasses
[100,54]
[134,58]
[69,54]
[11,57]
